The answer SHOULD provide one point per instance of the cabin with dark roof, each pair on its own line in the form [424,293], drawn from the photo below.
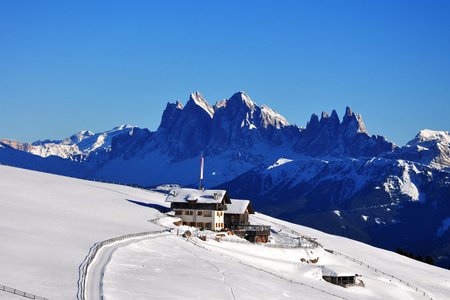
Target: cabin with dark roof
[340,276]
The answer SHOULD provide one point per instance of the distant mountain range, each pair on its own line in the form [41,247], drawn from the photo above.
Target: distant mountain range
[331,175]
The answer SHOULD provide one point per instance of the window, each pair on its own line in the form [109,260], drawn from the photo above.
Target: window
[178,212]
[208,225]
[199,213]
[207,213]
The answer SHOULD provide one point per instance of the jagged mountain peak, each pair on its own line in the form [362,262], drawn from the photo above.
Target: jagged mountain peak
[197,99]
[313,122]
[348,112]
[334,115]
[178,104]
[242,97]
[353,122]
[271,117]
[219,104]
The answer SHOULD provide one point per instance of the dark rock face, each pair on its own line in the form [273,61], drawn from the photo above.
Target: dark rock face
[239,123]
[234,124]
[349,138]
[184,132]
[128,145]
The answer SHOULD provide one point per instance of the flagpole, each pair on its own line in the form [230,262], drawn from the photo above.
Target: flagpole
[202,162]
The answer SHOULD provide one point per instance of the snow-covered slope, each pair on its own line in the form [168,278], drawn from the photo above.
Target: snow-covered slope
[429,147]
[49,222]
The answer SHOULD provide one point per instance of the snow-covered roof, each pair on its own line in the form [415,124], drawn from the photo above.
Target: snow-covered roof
[237,206]
[336,271]
[198,196]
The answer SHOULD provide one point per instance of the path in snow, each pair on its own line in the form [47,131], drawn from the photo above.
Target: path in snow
[94,280]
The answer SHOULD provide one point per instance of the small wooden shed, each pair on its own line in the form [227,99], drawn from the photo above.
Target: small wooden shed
[338,275]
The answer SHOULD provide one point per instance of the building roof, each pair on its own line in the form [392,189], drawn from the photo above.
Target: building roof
[336,271]
[238,207]
[183,195]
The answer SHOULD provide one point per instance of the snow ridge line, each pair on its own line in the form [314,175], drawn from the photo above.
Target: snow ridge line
[415,288]
[20,293]
[84,266]
[270,273]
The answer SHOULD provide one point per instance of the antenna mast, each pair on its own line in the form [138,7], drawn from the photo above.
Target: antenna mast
[202,163]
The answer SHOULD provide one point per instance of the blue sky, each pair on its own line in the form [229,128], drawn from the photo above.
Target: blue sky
[72,65]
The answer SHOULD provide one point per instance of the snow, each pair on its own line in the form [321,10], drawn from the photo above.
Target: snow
[200,101]
[431,135]
[405,183]
[279,162]
[195,269]
[199,196]
[445,225]
[407,187]
[83,142]
[337,213]
[247,100]
[237,206]
[378,221]
[364,217]
[335,271]
[272,117]
[48,223]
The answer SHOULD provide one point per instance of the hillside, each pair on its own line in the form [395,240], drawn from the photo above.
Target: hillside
[49,222]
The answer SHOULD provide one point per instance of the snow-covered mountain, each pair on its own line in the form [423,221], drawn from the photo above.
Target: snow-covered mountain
[75,147]
[429,147]
[330,175]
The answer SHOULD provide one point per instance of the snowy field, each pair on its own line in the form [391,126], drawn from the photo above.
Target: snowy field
[48,223]
[226,270]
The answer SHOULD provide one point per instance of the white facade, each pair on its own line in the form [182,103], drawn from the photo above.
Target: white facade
[208,219]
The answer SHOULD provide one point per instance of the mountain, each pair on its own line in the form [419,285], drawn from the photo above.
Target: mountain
[75,147]
[331,175]
[429,147]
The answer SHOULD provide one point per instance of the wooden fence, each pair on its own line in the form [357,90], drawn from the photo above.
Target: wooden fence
[410,285]
[20,293]
[84,267]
